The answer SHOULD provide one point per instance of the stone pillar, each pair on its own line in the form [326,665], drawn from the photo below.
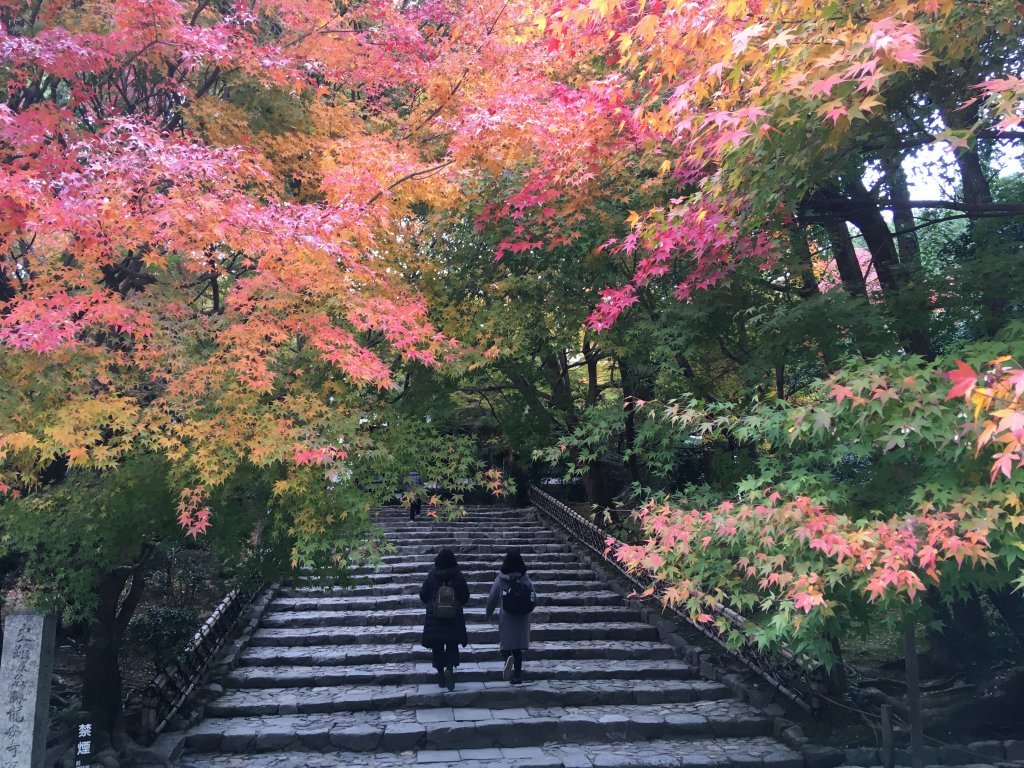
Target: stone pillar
[25,671]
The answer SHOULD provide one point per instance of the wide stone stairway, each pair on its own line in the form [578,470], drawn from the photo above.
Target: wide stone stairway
[338,678]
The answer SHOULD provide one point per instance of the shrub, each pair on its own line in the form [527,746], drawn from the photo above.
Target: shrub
[161,633]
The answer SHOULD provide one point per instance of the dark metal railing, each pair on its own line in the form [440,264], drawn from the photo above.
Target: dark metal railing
[172,687]
[796,676]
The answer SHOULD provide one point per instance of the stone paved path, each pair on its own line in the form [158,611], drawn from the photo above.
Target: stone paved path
[336,677]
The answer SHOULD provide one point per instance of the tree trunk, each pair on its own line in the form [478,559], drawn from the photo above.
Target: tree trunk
[556,373]
[968,161]
[964,634]
[909,314]
[903,217]
[101,678]
[592,356]
[971,628]
[596,486]
[1010,605]
[846,259]
[635,386]
[801,249]
[838,682]
[977,191]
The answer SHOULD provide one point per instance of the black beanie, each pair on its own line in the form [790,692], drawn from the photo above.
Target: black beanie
[445,559]
[513,563]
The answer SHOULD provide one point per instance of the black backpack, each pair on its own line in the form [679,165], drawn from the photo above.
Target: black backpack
[517,597]
[444,605]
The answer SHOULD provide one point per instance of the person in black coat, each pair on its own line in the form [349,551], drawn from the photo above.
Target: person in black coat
[444,636]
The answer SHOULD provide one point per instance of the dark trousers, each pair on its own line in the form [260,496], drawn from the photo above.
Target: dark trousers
[517,658]
[446,655]
[414,509]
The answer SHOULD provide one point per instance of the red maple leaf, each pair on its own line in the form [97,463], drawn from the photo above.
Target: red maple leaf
[964,378]
[1003,463]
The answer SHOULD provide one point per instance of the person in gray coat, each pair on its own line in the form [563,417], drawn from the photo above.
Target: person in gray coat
[513,628]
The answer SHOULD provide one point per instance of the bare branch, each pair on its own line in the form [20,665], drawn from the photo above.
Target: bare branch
[423,172]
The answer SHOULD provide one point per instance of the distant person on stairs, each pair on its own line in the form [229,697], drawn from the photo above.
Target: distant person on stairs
[514,594]
[445,592]
[413,483]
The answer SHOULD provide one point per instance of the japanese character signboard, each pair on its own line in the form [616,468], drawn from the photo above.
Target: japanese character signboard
[83,748]
[25,669]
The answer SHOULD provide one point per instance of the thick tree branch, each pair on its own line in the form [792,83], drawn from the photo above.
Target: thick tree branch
[823,209]
[423,172]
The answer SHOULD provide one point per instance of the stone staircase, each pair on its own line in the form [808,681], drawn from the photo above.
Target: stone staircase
[338,678]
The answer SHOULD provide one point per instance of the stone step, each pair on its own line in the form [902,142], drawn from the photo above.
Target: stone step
[495,694]
[394,653]
[479,582]
[754,752]
[474,613]
[521,527]
[384,588]
[475,567]
[540,575]
[412,600]
[475,671]
[400,522]
[426,561]
[509,525]
[398,730]
[533,552]
[519,537]
[400,517]
[478,633]
[434,532]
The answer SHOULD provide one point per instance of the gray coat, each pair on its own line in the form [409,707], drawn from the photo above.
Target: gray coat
[513,628]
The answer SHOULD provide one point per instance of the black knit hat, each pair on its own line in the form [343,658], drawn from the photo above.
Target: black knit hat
[513,562]
[445,559]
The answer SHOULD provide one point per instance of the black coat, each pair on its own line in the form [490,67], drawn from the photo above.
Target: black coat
[439,631]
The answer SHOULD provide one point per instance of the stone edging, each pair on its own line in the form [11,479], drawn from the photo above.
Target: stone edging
[169,745]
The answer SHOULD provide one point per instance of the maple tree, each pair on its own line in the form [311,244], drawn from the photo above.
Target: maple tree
[863,497]
[763,119]
[202,248]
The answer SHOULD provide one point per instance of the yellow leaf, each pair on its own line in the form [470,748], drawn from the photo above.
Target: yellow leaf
[78,456]
[870,103]
[647,29]
[735,8]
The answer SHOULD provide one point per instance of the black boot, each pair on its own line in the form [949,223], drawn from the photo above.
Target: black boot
[449,678]
[440,679]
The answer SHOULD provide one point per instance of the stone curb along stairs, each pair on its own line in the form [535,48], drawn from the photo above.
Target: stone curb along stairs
[336,677]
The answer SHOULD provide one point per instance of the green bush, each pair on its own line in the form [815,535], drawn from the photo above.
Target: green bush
[161,633]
